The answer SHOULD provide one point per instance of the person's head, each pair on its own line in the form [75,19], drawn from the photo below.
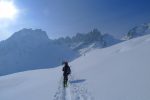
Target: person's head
[65,63]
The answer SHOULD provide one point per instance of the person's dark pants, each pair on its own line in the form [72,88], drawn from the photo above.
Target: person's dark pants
[65,80]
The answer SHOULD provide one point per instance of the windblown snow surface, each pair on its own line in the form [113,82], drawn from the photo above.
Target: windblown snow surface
[119,72]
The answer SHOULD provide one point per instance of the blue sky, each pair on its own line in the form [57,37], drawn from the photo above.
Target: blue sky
[67,17]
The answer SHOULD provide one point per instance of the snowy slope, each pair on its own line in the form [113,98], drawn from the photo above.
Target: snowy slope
[120,72]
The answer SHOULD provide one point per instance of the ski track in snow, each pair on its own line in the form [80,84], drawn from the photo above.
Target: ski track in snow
[67,94]
[74,91]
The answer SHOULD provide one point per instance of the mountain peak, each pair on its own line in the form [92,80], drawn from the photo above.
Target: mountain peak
[29,35]
[137,31]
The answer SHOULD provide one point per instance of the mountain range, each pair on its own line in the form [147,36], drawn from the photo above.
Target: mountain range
[30,49]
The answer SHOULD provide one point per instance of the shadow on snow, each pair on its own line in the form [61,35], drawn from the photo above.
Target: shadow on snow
[78,81]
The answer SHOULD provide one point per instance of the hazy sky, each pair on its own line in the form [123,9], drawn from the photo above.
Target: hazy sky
[67,17]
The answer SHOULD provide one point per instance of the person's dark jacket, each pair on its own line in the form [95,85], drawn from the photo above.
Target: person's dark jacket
[66,70]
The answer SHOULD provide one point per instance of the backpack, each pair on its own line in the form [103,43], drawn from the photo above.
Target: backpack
[68,70]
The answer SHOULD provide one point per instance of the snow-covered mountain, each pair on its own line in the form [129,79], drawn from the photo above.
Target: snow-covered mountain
[119,72]
[31,49]
[84,42]
[137,31]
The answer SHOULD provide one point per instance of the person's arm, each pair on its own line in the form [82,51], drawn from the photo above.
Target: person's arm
[70,70]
